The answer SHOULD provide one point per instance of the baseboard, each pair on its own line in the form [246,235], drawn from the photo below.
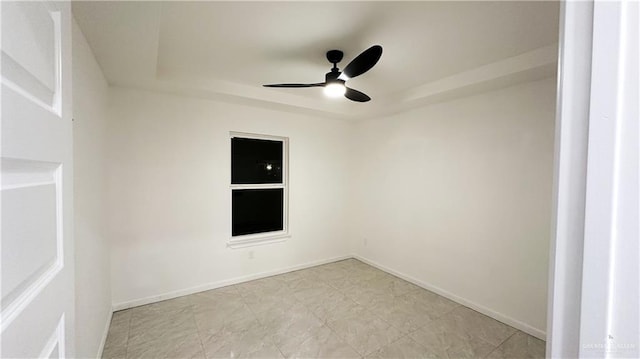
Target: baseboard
[219,284]
[540,334]
[104,335]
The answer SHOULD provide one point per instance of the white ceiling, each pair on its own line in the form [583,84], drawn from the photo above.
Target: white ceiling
[227,50]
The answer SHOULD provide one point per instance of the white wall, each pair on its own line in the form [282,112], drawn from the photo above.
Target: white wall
[454,195]
[457,196]
[169,193]
[93,286]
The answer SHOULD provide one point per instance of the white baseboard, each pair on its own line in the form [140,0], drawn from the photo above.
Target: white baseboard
[219,284]
[104,334]
[538,333]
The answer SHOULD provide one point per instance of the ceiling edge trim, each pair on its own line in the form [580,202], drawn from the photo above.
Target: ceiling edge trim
[530,66]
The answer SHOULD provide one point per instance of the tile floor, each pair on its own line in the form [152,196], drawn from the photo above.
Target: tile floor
[345,309]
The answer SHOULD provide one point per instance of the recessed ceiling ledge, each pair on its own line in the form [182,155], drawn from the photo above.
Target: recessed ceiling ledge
[507,68]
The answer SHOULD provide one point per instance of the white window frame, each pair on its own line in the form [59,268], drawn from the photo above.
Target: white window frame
[265,237]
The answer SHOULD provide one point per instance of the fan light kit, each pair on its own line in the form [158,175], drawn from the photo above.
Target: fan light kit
[335,81]
[335,89]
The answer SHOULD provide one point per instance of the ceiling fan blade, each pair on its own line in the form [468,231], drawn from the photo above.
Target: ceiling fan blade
[362,63]
[295,85]
[355,95]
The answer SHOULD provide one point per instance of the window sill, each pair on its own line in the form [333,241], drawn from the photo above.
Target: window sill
[257,240]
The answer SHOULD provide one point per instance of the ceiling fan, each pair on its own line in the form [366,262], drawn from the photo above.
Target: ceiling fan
[335,81]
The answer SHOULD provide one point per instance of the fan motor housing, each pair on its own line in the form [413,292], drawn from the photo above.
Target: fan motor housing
[332,76]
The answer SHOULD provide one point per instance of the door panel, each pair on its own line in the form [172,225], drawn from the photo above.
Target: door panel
[30,241]
[36,248]
[31,65]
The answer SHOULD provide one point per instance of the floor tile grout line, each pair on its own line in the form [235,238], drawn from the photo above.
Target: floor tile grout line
[368,308]
[255,316]
[126,347]
[193,315]
[404,335]
[376,316]
[331,284]
[325,322]
[426,347]
[498,346]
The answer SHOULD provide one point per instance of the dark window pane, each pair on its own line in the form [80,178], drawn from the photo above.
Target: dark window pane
[257,211]
[255,161]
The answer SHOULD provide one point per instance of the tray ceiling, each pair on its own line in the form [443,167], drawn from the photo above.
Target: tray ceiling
[227,50]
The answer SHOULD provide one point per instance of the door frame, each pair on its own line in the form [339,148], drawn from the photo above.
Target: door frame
[593,275]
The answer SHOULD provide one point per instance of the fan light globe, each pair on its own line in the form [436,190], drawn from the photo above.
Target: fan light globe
[335,90]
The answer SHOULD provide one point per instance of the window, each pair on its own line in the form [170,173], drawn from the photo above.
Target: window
[258,189]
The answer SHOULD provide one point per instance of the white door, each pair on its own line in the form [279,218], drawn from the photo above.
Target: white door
[36,153]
